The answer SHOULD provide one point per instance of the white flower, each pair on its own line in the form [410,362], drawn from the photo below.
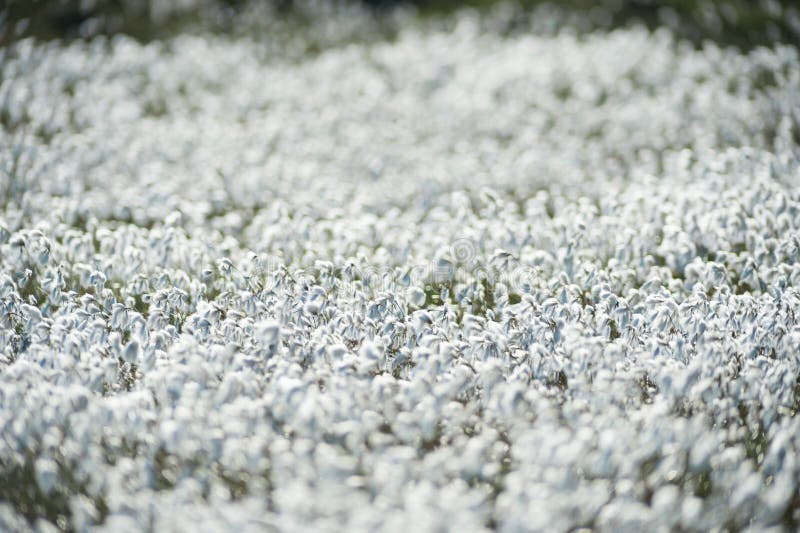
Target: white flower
[47,477]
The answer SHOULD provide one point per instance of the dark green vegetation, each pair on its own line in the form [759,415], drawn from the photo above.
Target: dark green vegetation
[741,23]
[18,486]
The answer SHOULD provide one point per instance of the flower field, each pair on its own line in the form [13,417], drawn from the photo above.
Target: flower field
[459,278]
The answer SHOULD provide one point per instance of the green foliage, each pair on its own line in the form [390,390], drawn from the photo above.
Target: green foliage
[19,488]
[742,23]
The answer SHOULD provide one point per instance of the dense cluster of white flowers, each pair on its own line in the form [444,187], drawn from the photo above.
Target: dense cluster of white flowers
[452,281]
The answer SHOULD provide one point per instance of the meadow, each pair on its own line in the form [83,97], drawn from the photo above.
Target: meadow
[458,270]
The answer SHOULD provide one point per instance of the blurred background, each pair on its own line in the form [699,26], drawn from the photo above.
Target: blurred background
[741,23]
